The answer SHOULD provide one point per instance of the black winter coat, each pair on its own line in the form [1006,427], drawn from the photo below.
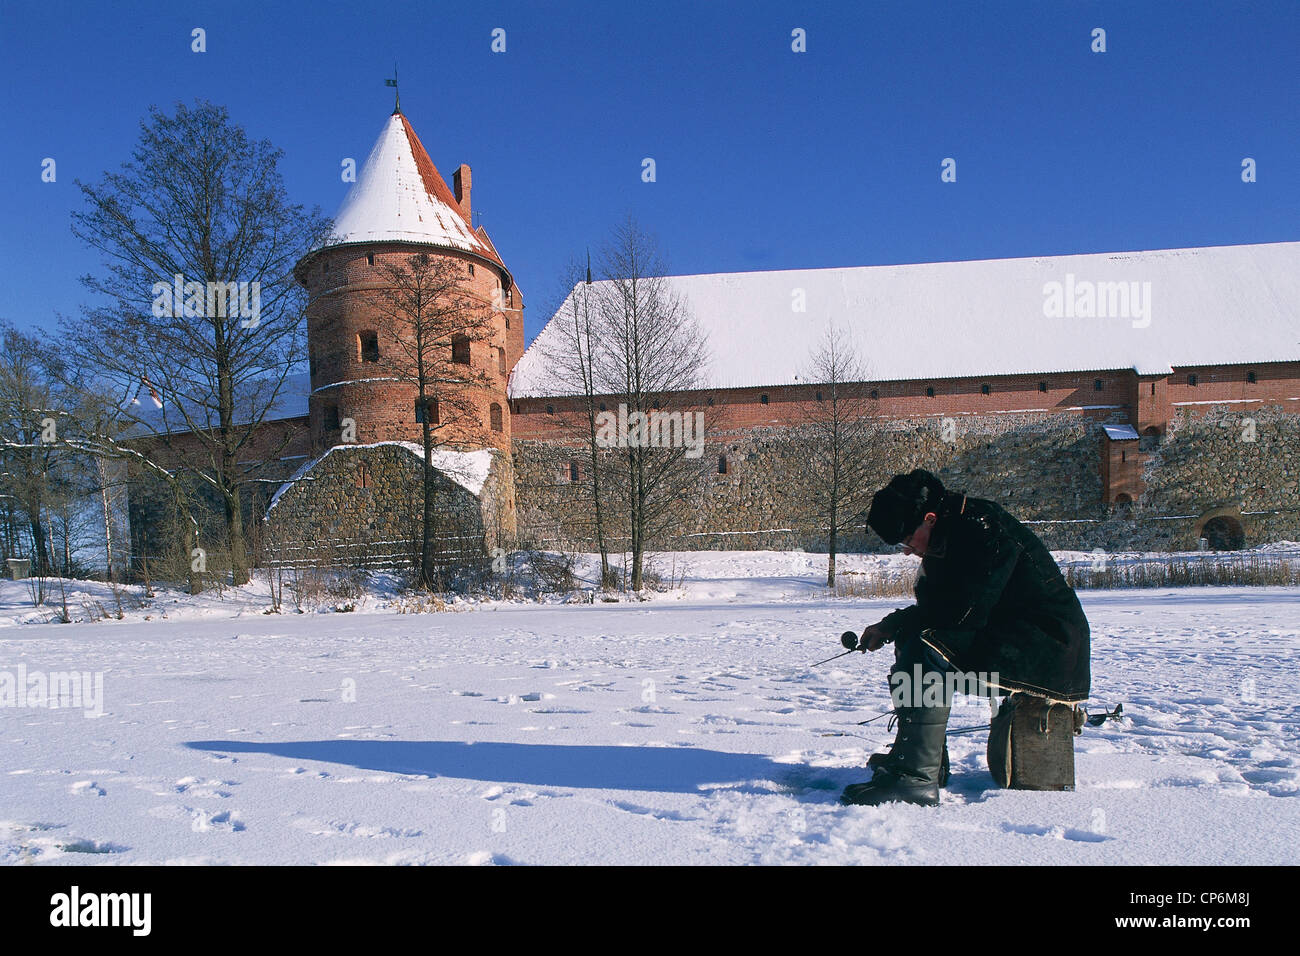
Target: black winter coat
[990,598]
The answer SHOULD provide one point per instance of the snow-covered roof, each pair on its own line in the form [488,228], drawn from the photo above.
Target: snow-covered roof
[399,196]
[1206,306]
[1120,432]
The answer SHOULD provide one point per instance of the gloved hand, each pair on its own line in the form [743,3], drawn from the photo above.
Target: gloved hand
[874,638]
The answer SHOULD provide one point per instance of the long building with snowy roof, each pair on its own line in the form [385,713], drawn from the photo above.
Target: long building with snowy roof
[1056,385]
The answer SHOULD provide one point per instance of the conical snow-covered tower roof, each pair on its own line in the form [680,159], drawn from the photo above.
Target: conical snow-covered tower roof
[399,196]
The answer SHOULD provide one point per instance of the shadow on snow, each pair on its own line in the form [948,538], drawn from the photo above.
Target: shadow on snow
[668,769]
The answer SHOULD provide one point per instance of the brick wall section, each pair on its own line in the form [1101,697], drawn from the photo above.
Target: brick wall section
[739,409]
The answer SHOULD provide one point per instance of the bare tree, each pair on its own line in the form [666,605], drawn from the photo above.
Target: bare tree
[429,324]
[836,428]
[29,405]
[199,243]
[649,355]
[572,356]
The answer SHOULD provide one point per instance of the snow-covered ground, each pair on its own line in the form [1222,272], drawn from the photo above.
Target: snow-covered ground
[687,729]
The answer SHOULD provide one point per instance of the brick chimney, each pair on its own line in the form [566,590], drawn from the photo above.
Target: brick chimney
[461,183]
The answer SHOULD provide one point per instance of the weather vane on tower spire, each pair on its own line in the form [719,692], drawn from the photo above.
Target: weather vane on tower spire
[397,95]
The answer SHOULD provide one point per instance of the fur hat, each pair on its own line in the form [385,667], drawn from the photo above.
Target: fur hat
[899,507]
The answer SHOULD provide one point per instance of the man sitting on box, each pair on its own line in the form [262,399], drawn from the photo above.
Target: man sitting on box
[990,600]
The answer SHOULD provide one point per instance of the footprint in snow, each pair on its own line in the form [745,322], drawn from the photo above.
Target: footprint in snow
[87,787]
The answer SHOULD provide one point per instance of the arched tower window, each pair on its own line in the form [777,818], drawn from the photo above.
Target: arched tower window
[494,417]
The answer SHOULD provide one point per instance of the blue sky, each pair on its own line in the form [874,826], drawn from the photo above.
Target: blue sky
[765,158]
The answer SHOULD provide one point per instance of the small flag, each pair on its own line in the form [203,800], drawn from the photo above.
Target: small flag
[390,82]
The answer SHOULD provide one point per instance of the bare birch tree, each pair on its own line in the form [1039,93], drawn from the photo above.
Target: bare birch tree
[571,356]
[835,430]
[649,355]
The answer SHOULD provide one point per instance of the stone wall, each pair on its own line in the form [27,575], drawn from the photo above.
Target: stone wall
[1044,469]
[362,506]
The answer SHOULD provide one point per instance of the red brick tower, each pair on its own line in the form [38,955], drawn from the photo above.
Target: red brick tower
[400,206]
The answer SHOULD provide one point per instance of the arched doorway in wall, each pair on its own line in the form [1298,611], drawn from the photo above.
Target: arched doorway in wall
[1149,440]
[1123,506]
[1224,533]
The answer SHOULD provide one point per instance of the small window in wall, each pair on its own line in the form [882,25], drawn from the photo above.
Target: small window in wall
[510,296]
[550,409]
[763,399]
[575,473]
[710,401]
[602,406]
[370,258]
[494,417]
[501,360]
[655,403]
[985,389]
[460,349]
[1250,377]
[507,321]
[1042,386]
[722,464]
[1123,456]
[471,269]
[432,405]
[368,346]
[331,416]
[875,394]
[1192,379]
[1153,388]
[1098,385]
[819,396]
[929,391]
[518,408]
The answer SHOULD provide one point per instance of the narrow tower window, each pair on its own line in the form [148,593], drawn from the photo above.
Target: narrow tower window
[368,346]
[494,417]
[432,405]
[460,349]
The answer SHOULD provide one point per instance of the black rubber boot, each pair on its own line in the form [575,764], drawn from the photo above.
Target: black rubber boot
[910,773]
[882,760]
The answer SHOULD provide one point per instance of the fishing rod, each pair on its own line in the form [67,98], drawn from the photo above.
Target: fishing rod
[849,640]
